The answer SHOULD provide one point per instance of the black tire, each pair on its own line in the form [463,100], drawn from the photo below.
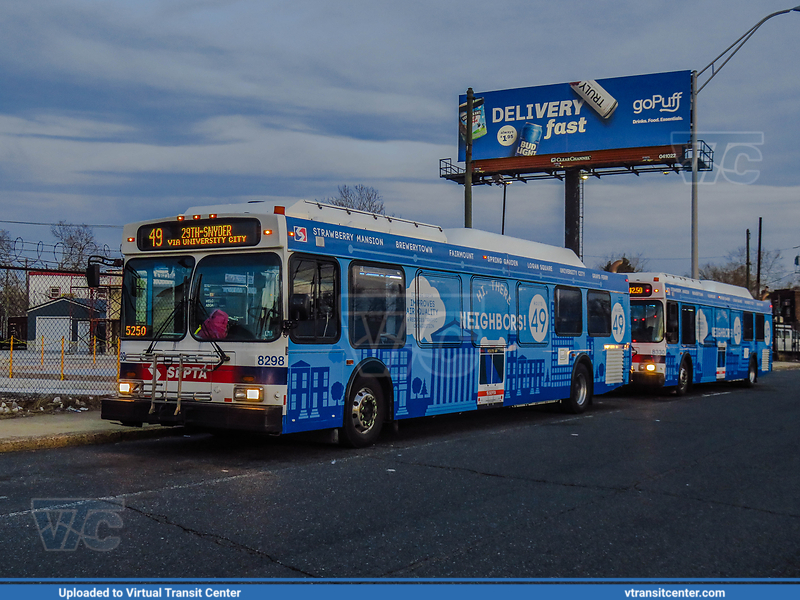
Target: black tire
[684,377]
[580,391]
[364,413]
[752,374]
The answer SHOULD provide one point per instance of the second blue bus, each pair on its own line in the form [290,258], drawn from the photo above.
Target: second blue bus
[685,331]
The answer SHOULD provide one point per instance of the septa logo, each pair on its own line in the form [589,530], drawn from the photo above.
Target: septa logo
[300,234]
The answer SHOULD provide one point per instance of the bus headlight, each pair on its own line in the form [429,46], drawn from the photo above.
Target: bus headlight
[127,388]
[248,394]
[650,367]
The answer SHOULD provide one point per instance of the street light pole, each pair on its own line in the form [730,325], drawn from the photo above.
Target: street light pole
[732,49]
[695,236]
[468,161]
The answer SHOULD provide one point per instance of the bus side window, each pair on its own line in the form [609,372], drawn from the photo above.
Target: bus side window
[673,323]
[759,328]
[747,327]
[688,325]
[377,306]
[598,306]
[313,301]
[569,311]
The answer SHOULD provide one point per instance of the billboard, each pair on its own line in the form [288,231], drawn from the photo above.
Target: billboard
[582,116]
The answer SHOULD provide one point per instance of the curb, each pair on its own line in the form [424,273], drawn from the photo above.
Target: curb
[63,440]
[785,366]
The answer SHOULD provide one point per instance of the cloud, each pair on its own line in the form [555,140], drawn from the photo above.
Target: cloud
[146,108]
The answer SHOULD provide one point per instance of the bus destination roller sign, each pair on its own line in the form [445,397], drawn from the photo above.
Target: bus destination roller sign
[201,233]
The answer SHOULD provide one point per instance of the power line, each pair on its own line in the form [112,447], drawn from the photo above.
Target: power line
[57,224]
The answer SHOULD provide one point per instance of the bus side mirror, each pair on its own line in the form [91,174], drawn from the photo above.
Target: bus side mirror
[287,325]
[93,268]
[93,275]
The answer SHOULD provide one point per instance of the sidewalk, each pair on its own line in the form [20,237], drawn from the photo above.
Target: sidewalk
[781,366]
[81,428]
[70,429]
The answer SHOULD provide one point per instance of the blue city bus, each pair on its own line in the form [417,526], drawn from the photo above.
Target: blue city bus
[685,331]
[276,319]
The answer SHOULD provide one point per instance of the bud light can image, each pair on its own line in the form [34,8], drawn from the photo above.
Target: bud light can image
[478,119]
[529,139]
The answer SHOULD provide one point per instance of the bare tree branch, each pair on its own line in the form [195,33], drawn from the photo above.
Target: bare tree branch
[734,270]
[77,244]
[626,264]
[359,197]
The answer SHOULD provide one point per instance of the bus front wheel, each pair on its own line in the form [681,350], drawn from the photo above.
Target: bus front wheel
[580,391]
[364,413]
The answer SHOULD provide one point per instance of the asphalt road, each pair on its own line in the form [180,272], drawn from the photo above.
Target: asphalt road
[640,486]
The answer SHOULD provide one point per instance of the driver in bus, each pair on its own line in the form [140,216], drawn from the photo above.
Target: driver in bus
[215,327]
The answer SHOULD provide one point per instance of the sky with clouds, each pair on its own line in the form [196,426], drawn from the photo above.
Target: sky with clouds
[112,112]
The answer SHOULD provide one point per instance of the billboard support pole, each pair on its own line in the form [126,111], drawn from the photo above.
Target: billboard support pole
[468,162]
[572,210]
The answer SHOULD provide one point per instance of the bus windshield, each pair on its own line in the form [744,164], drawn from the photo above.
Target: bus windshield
[647,321]
[153,297]
[237,297]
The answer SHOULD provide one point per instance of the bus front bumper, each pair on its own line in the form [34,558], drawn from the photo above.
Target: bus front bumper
[647,378]
[202,415]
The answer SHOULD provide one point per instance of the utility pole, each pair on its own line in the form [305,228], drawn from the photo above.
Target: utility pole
[503,226]
[758,262]
[747,263]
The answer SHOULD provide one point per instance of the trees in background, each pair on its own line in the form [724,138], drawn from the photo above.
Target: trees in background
[359,197]
[76,243]
[624,264]
[734,270]
[12,286]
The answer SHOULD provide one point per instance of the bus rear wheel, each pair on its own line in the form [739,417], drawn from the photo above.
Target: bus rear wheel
[752,373]
[580,391]
[364,413]
[684,378]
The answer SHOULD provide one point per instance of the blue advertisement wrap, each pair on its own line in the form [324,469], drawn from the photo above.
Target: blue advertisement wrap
[335,240]
[476,329]
[582,116]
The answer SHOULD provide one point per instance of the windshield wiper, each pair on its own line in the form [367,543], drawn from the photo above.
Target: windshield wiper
[163,327]
[195,303]
[171,316]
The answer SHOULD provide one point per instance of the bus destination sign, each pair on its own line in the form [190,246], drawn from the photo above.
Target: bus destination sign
[197,234]
[641,289]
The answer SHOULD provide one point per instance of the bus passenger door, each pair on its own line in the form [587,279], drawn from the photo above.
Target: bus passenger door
[722,350]
[315,389]
[316,384]
[722,333]
[491,384]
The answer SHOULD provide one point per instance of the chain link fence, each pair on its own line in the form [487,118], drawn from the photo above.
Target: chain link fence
[57,335]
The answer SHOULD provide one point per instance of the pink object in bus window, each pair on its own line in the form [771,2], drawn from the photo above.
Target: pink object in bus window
[215,327]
